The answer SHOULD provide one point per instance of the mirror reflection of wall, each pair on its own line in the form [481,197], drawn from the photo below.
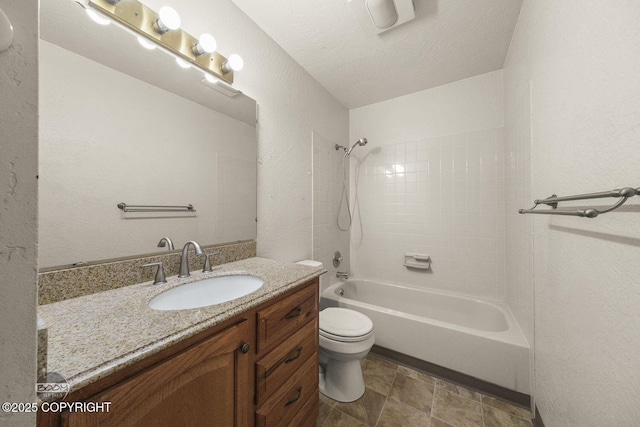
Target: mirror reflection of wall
[107,137]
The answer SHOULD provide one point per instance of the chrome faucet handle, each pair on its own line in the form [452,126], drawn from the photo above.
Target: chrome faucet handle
[165,241]
[160,277]
[207,263]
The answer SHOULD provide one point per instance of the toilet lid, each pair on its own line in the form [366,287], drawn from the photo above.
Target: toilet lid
[342,322]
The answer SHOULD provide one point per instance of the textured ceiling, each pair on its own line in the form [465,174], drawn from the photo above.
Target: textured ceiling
[449,40]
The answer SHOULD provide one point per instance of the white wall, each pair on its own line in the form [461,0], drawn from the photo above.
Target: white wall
[431,181]
[327,195]
[18,212]
[98,149]
[580,60]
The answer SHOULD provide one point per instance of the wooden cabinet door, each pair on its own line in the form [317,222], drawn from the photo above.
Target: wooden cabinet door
[205,385]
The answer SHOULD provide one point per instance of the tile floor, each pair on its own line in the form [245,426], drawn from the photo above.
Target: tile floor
[399,396]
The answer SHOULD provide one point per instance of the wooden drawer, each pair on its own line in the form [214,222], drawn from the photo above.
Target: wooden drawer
[281,408]
[308,415]
[283,318]
[284,361]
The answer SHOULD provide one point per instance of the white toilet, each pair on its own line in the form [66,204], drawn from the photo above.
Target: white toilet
[346,336]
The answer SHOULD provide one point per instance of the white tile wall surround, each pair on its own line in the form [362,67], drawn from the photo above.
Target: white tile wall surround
[440,196]
[327,190]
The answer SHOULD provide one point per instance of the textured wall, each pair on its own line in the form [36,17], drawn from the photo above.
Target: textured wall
[292,105]
[18,209]
[175,152]
[431,181]
[580,58]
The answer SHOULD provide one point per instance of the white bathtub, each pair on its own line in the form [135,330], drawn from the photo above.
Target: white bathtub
[475,337]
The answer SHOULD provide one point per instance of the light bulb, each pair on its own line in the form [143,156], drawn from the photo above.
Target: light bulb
[146,43]
[234,63]
[95,17]
[168,20]
[182,63]
[206,44]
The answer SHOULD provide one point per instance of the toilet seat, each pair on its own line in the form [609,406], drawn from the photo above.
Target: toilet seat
[345,325]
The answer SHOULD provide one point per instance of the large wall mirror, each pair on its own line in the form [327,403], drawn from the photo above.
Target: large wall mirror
[119,123]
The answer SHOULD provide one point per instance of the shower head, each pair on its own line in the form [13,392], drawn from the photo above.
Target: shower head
[361,142]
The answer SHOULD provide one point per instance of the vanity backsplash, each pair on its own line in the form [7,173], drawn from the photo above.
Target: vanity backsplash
[70,282]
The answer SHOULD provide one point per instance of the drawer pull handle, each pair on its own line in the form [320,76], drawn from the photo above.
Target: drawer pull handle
[294,313]
[292,358]
[295,399]
[245,348]
[283,362]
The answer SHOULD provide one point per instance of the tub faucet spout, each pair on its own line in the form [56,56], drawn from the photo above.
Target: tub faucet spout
[342,275]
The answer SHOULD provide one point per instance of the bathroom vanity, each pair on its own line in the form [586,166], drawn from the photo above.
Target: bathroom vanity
[252,361]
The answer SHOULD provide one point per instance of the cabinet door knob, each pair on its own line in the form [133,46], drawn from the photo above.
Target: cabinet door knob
[245,348]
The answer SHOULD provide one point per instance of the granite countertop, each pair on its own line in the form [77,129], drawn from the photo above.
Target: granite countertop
[95,335]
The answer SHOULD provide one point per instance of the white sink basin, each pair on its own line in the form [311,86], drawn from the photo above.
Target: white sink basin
[206,292]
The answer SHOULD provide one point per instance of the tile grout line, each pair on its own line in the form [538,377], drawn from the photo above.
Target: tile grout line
[386,398]
[433,400]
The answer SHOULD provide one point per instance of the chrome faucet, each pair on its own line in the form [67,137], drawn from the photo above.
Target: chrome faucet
[184,261]
[342,275]
[165,241]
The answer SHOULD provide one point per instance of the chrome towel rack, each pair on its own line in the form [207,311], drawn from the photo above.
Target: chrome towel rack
[151,208]
[622,193]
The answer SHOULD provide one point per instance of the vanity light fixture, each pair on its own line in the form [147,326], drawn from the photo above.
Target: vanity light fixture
[234,63]
[168,19]
[162,29]
[206,44]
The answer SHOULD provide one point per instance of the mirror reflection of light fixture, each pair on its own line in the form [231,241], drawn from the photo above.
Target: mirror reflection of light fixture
[182,63]
[168,19]
[6,32]
[206,44]
[146,43]
[100,20]
[208,77]
[149,26]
